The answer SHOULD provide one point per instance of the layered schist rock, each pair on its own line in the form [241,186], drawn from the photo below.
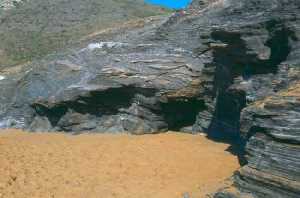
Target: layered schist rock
[251,49]
[127,82]
[259,52]
[271,127]
[131,79]
[197,70]
[247,48]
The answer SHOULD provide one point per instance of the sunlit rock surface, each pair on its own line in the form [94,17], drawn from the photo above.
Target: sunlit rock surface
[121,83]
[225,67]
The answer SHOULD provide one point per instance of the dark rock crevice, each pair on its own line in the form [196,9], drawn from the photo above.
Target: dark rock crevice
[236,65]
[279,44]
[234,60]
[238,60]
[230,63]
[181,112]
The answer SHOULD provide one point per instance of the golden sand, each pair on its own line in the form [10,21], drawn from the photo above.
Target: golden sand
[104,166]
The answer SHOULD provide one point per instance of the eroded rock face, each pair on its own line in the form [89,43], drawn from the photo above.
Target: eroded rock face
[271,127]
[252,52]
[195,71]
[123,84]
[260,59]
[273,151]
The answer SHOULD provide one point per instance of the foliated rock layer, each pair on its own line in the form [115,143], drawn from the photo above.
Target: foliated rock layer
[227,67]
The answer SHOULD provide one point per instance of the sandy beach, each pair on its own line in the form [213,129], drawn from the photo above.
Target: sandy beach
[53,165]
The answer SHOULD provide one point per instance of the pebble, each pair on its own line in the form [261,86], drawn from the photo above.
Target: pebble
[186,195]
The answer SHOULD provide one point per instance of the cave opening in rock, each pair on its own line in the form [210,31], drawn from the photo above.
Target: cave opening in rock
[128,103]
[52,114]
[94,104]
[181,113]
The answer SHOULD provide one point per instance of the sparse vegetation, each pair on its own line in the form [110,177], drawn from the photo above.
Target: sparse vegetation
[33,28]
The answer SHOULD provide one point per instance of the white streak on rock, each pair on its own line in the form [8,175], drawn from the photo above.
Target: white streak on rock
[2,77]
[100,45]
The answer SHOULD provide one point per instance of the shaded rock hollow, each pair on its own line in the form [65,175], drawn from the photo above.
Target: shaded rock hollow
[226,67]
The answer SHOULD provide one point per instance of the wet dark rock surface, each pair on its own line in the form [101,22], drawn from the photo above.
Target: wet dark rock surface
[226,67]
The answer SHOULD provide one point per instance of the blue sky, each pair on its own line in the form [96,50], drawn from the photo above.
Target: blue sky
[175,4]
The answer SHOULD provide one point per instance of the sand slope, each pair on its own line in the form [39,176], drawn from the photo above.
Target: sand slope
[104,166]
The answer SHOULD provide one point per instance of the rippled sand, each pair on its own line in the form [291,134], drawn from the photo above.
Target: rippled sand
[104,166]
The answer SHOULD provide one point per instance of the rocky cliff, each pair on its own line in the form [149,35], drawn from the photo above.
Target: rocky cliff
[271,128]
[123,82]
[251,87]
[226,67]
[260,56]
[273,146]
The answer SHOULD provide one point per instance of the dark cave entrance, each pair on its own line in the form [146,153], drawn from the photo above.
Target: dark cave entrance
[94,103]
[173,115]
[180,113]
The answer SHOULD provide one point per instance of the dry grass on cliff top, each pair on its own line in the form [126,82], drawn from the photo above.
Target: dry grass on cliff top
[104,166]
[31,29]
